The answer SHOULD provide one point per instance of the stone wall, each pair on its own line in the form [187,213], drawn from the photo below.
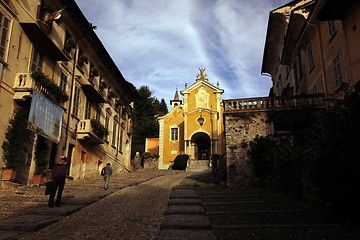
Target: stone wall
[240,130]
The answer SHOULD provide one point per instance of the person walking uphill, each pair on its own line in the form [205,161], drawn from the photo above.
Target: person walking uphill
[58,175]
[106,173]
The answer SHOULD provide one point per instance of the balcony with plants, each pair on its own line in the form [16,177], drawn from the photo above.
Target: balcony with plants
[82,61]
[91,130]
[41,33]
[25,83]
[94,87]
[69,47]
[43,16]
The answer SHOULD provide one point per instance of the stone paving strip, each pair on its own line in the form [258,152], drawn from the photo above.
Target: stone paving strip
[185,217]
[23,209]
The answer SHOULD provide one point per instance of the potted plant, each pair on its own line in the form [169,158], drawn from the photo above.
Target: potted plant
[103,84]
[111,94]
[40,160]
[52,89]
[47,7]
[83,59]
[69,45]
[117,103]
[12,144]
[99,129]
[94,72]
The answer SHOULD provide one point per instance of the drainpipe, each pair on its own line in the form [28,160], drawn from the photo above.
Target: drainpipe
[323,66]
[65,148]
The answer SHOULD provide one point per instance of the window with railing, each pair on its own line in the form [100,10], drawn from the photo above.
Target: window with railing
[82,58]
[69,43]
[36,60]
[121,138]
[332,28]
[107,122]
[299,58]
[279,86]
[63,81]
[4,28]
[98,113]
[311,57]
[337,71]
[295,69]
[43,16]
[87,109]
[287,71]
[115,123]
[76,101]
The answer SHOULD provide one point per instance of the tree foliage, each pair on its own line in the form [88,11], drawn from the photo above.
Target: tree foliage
[147,109]
[14,142]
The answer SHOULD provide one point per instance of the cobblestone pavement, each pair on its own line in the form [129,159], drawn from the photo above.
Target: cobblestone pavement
[127,210]
[153,205]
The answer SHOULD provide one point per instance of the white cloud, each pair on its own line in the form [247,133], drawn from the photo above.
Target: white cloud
[162,43]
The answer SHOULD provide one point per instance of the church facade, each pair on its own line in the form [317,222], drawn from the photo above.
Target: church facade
[194,126]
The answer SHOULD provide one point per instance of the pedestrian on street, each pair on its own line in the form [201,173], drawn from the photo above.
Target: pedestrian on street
[106,173]
[58,176]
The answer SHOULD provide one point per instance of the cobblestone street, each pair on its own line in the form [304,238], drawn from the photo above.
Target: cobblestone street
[164,205]
[99,214]
[131,213]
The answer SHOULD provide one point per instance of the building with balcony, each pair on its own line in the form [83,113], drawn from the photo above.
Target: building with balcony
[80,105]
[312,56]
[312,47]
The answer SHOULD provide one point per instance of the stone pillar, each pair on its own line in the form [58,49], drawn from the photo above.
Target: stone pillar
[192,151]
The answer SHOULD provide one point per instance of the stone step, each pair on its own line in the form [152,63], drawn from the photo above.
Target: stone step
[184,201]
[260,212]
[198,234]
[198,166]
[247,226]
[184,193]
[184,187]
[185,210]
[185,221]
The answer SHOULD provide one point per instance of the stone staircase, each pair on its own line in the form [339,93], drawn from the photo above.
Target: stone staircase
[198,166]
[185,216]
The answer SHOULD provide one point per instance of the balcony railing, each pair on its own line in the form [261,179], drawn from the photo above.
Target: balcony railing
[24,84]
[86,132]
[274,103]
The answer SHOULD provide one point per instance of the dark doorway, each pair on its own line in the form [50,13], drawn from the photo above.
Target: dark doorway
[202,146]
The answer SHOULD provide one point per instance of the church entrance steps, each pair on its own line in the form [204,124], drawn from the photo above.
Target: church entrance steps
[198,166]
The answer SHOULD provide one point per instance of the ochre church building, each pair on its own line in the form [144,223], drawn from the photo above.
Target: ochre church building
[194,125]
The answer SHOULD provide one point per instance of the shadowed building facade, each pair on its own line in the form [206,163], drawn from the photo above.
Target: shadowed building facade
[80,104]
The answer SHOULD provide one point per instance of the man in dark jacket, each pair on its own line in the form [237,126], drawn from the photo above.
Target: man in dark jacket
[106,172]
[58,175]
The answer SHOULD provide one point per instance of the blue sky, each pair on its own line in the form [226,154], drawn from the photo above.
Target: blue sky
[163,43]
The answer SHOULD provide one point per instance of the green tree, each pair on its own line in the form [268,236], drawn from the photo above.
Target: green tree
[163,108]
[147,109]
[14,142]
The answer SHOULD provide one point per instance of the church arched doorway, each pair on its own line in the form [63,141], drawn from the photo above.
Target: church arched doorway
[201,143]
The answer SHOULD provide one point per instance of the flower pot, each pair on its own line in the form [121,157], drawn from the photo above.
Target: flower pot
[38,179]
[8,174]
